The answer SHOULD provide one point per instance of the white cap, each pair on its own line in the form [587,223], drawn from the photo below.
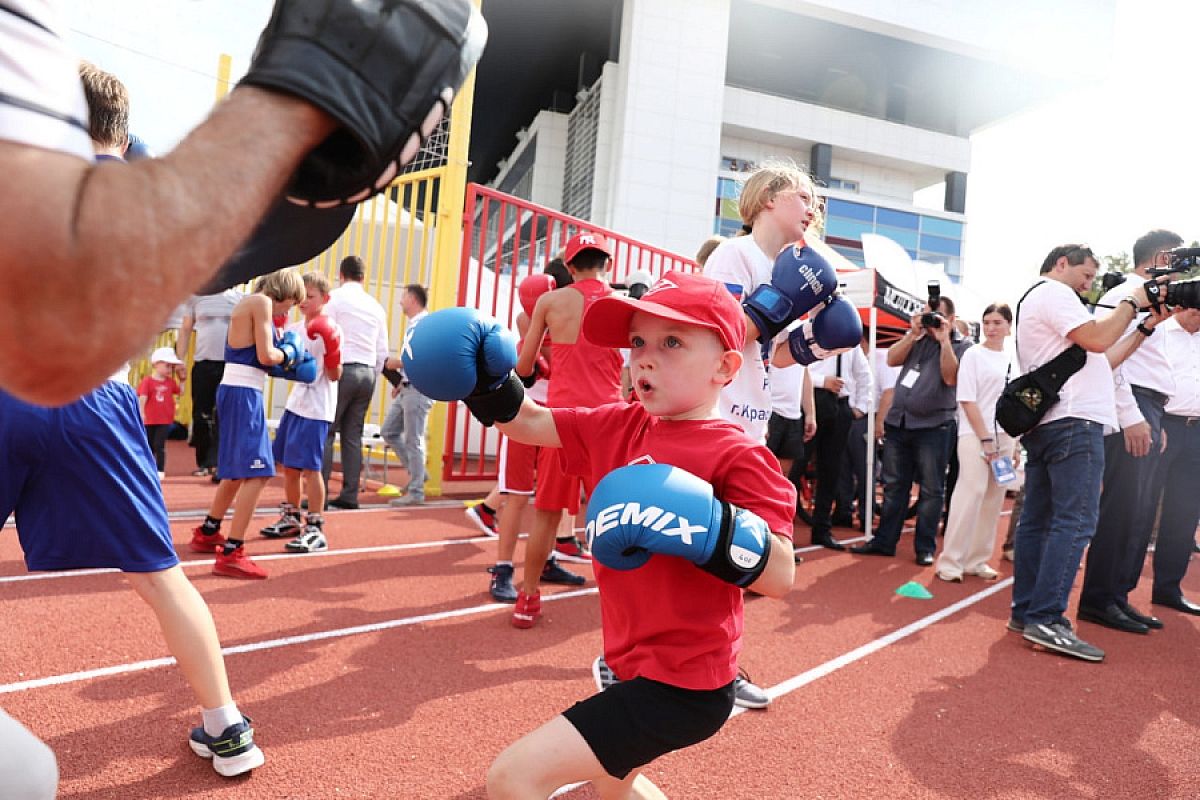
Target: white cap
[166,354]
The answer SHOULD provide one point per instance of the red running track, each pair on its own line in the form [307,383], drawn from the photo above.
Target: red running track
[382,670]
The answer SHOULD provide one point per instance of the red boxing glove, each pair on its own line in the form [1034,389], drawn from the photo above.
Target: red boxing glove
[279,321]
[542,367]
[323,327]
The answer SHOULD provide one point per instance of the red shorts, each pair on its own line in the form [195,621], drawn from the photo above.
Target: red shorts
[517,463]
[556,490]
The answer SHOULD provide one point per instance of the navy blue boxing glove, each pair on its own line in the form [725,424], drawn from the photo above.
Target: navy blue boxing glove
[800,280]
[643,509]
[460,354]
[835,329]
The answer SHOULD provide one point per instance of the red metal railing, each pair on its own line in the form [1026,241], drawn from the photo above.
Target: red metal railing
[505,240]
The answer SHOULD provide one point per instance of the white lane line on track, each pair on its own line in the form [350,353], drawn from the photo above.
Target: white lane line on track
[271,644]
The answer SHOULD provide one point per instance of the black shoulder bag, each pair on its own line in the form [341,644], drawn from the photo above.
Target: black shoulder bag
[1026,398]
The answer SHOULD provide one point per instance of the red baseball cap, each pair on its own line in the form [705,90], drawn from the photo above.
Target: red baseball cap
[679,296]
[585,240]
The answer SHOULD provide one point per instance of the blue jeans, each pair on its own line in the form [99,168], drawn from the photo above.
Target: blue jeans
[404,431]
[1062,506]
[907,454]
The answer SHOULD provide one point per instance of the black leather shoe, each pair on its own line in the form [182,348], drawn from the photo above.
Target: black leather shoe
[925,559]
[1111,616]
[828,542]
[339,502]
[1180,603]
[1153,623]
[871,549]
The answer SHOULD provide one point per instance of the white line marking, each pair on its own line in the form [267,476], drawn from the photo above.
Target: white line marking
[270,644]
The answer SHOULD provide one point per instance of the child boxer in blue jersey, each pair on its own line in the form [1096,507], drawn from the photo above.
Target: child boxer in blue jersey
[245,462]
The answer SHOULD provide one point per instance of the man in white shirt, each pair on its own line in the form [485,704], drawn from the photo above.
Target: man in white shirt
[1066,448]
[1143,382]
[364,353]
[1175,479]
[844,392]
[404,425]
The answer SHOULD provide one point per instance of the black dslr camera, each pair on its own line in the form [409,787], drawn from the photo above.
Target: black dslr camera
[931,319]
[1178,294]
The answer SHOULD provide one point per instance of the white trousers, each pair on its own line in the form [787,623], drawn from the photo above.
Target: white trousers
[974,509]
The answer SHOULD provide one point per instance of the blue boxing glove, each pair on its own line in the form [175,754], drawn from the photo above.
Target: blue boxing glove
[643,509]
[835,329]
[800,280]
[460,354]
[293,349]
[303,371]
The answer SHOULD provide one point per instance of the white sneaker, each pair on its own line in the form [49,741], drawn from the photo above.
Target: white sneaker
[310,540]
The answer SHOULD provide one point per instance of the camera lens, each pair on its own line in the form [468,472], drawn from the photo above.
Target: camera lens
[1185,294]
[931,320]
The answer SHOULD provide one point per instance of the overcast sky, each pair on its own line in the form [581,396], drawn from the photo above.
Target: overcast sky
[1102,165]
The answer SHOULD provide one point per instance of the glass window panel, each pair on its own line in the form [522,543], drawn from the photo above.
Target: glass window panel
[942,245]
[729,210]
[897,219]
[904,238]
[942,227]
[847,228]
[844,208]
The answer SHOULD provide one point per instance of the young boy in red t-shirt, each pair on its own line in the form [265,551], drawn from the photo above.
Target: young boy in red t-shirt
[675,659]
[156,398]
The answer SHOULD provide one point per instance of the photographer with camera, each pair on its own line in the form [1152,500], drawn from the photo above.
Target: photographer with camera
[1143,380]
[1065,446]
[918,427]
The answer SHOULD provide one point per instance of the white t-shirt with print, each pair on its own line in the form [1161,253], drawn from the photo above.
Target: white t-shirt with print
[981,375]
[746,401]
[1047,315]
[316,400]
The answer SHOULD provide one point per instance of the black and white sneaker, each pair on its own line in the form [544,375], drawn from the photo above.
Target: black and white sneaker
[1059,637]
[310,540]
[233,752]
[747,694]
[288,523]
[603,674]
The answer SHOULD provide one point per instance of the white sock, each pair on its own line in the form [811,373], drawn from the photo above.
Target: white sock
[216,720]
[504,563]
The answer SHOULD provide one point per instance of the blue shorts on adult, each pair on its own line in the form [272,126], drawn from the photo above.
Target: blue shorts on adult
[82,481]
[300,442]
[245,449]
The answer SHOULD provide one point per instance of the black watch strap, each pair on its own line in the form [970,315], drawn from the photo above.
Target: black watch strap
[1143,330]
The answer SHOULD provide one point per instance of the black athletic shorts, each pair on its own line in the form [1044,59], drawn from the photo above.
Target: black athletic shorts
[785,437]
[634,722]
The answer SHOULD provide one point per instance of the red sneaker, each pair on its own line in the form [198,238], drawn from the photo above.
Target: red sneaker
[572,550]
[238,565]
[205,542]
[528,609]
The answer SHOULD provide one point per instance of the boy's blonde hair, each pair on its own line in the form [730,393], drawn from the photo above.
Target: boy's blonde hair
[771,179]
[316,280]
[283,284]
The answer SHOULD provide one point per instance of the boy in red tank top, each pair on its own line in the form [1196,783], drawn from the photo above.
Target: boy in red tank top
[584,376]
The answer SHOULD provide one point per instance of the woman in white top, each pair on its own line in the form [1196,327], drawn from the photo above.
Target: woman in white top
[975,504]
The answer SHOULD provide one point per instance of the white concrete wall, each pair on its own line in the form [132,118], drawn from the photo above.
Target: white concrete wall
[667,132]
[1062,38]
[862,138]
[549,163]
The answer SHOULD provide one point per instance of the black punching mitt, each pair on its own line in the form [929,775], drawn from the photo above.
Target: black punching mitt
[386,70]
